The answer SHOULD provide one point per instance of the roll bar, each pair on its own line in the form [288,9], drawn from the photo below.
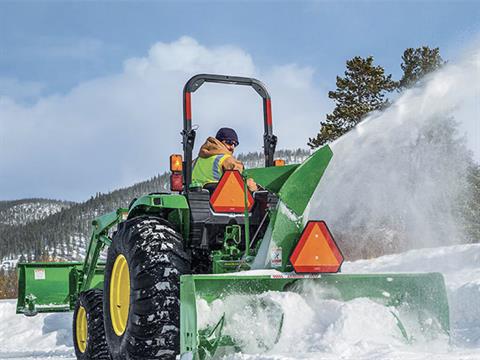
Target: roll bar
[188,134]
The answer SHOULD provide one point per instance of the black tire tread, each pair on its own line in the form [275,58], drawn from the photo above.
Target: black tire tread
[97,349]
[156,259]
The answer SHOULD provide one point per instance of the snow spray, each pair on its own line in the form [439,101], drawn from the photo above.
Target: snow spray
[399,179]
[311,322]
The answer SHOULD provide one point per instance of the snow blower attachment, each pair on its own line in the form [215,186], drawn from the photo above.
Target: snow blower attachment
[299,257]
[187,271]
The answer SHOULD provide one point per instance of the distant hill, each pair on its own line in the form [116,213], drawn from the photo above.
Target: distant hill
[37,228]
[21,212]
[64,234]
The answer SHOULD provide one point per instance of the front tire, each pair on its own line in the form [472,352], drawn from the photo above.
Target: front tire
[88,331]
[142,290]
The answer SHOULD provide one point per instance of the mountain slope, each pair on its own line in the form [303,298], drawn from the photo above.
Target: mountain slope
[21,212]
[64,234]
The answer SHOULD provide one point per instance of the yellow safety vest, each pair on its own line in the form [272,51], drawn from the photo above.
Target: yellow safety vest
[208,170]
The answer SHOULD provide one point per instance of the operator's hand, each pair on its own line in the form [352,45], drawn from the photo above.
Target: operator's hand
[252,185]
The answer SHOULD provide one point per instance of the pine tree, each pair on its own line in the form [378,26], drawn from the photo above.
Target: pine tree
[360,91]
[417,63]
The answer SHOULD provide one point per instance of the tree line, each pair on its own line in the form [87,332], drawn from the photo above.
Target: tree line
[365,86]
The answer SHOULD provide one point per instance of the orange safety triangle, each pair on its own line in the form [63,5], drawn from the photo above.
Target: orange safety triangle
[316,250]
[229,194]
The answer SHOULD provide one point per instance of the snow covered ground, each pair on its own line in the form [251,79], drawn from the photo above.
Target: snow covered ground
[343,331]
[46,336]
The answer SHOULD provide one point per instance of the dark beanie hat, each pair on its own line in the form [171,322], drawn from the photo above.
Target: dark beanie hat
[227,134]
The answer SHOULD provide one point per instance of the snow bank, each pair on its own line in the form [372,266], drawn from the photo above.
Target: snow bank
[42,336]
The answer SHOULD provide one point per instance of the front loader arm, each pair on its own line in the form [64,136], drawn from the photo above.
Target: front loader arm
[98,241]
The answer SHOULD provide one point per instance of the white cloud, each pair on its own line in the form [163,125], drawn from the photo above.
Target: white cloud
[113,131]
[188,56]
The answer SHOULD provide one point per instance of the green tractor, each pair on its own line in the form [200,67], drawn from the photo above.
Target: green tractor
[172,254]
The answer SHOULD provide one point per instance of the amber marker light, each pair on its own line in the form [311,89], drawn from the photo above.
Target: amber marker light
[176,163]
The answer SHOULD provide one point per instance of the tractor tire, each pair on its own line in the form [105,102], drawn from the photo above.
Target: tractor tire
[88,330]
[142,290]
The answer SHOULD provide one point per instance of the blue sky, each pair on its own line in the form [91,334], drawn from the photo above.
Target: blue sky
[60,44]
[53,54]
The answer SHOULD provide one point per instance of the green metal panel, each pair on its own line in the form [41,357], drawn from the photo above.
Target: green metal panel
[168,201]
[300,186]
[286,231]
[97,281]
[105,222]
[271,178]
[47,287]
[419,294]
[188,315]
[295,184]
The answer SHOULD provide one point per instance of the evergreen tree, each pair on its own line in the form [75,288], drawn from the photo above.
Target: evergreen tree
[359,92]
[417,63]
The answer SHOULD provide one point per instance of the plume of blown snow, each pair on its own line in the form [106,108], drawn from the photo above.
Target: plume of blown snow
[399,179]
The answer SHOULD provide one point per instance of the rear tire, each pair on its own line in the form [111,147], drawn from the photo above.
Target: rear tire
[88,331]
[154,255]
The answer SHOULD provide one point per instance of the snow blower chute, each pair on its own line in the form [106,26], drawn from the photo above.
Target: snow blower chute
[185,269]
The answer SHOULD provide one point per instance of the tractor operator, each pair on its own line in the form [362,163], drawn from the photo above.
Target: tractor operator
[216,156]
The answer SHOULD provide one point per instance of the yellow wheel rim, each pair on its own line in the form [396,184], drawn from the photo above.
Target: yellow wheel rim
[81,324]
[119,295]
